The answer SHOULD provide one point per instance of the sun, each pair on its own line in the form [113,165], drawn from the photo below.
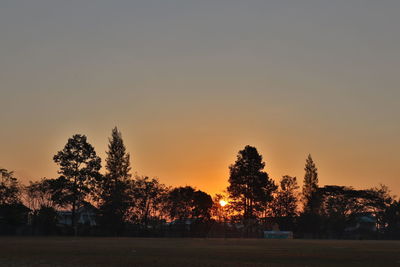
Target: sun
[223,203]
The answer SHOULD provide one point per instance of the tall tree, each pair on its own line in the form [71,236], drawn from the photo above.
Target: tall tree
[250,187]
[114,196]
[118,160]
[285,201]
[310,186]
[79,167]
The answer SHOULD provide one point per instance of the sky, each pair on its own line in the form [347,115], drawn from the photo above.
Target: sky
[190,83]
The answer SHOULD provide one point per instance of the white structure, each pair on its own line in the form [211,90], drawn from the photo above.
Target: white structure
[278,234]
[85,215]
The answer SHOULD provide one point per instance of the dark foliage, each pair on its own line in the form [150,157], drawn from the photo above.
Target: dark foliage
[310,187]
[116,204]
[188,203]
[150,199]
[113,197]
[250,188]
[79,167]
[9,189]
[284,206]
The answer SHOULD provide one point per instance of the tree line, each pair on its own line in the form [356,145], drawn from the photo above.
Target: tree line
[125,204]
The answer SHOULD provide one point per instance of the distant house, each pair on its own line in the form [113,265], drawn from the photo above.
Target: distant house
[278,234]
[362,222]
[86,215]
[182,224]
[361,226]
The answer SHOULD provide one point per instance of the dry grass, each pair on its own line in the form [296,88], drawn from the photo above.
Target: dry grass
[62,251]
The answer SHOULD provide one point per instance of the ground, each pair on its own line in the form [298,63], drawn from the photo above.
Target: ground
[63,251]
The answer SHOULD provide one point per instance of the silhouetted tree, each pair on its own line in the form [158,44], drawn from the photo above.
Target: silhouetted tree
[285,200]
[12,212]
[61,191]
[341,206]
[114,188]
[338,205]
[39,194]
[250,188]
[202,205]
[149,197]
[284,206]
[218,212]
[380,201]
[186,202]
[9,188]
[41,199]
[310,186]
[79,167]
[392,217]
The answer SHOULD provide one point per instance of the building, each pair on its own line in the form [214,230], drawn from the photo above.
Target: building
[86,215]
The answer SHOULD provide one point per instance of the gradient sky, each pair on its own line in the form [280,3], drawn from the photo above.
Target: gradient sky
[190,83]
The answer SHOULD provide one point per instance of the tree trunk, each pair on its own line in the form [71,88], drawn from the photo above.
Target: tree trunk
[73,215]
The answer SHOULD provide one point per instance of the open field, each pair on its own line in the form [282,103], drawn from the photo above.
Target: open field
[63,251]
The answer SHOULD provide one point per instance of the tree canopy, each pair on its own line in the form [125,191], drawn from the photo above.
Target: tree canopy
[310,185]
[114,199]
[9,188]
[189,203]
[79,169]
[250,188]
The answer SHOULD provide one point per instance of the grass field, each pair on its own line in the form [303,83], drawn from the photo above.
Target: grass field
[61,251]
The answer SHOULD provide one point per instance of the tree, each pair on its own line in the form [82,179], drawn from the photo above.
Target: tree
[285,201]
[310,186]
[219,212]
[114,188]
[202,203]
[284,206]
[250,187]
[392,216]
[40,194]
[12,212]
[149,197]
[380,201]
[339,206]
[41,200]
[61,191]
[118,160]
[79,167]
[9,188]
[187,202]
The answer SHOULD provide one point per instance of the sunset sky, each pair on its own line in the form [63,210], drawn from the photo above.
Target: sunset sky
[190,83]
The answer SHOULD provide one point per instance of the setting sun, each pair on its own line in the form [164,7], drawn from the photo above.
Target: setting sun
[223,203]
